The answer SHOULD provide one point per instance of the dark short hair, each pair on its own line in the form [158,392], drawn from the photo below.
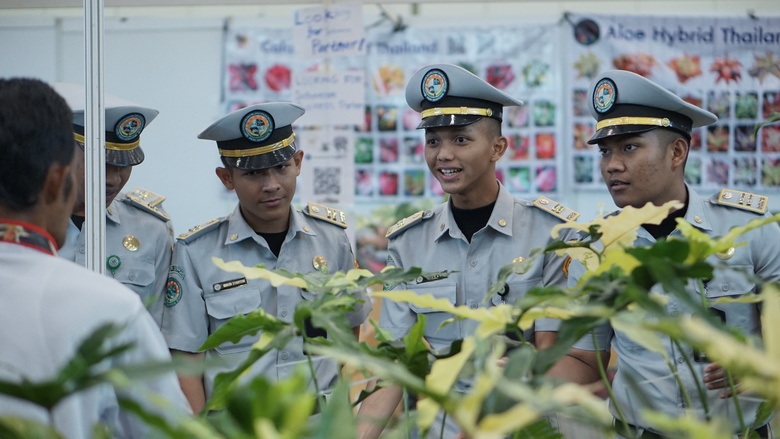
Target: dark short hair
[36,132]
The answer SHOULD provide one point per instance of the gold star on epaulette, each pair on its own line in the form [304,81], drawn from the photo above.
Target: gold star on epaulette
[193,232]
[743,200]
[404,223]
[333,216]
[556,209]
[148,202]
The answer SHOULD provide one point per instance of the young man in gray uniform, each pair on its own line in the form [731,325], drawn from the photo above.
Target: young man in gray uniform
[139,240]
[643,134]
[480,229]
[261,163]
[48,305]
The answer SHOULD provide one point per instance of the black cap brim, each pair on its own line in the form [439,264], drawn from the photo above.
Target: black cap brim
[262,161]
[448,120]
[124,158]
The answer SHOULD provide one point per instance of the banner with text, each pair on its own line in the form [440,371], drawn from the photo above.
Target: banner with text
[728,66]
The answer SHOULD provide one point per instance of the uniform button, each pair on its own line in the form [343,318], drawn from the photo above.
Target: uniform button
[725,287]
[473,263]
[132,276]
[284,313]
[473,306]
[284,355]
[697,219]
[306,229]
[81,250]
[233,237]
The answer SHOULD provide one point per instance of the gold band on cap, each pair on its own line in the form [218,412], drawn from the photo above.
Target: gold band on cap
[633,121]
[257,151]
[466,111]
[111,145]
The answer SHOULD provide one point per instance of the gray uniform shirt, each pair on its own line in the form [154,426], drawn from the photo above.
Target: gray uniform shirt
[435,243]
[649,369]
[208,298]
[143,261]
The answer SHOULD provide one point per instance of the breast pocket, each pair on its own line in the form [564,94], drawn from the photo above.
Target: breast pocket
[136,274]
[515,289]
[222,306]
[435,318]
[734,283]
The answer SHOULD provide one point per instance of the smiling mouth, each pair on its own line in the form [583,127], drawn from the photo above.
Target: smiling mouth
[450,171]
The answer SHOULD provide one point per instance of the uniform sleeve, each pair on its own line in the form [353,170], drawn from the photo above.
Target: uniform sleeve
[162,265]
[184,318]
[362,310]
[554,274]
[604,333]
[396,317]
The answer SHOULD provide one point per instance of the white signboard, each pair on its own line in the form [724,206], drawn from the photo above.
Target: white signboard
[337,98]
[329,31]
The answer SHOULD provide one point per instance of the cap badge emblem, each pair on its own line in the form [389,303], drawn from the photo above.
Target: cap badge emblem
[434,85]
[129,127]
[257,126]
[604,95]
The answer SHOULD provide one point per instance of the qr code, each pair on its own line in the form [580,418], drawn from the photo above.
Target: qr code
[327,181]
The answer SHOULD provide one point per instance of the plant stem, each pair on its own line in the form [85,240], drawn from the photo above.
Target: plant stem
[735,397]
[603,375]
[405,395]
[320,396]
[699,388]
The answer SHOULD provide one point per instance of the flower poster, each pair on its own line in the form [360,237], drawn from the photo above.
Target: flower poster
[386,150]
[728,66]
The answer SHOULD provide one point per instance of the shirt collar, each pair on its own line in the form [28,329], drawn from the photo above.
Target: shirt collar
[27,235]
[239,229]
[500,219]
[112,213]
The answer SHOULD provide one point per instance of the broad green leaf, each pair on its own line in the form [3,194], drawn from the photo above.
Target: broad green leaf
[258,273]
[620,230]
[242,325]
[13,427]
[771,335]
[444,373]
[492,320]
[689,426]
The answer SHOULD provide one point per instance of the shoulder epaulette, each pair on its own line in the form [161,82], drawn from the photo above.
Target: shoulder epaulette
[556,209]
[199,230]
[333,216]
[404,224]
[147,201]
[743,200]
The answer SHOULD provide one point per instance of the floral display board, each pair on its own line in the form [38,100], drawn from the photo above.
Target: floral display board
[729,66]
[386,151]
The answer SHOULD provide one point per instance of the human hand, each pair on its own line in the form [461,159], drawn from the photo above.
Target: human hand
[715,378]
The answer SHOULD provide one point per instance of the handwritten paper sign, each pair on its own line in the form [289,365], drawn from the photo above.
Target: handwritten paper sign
[331,98]
[329,31]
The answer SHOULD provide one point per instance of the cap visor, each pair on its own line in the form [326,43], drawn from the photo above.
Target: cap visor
[448,120]
[124,158]
[262,161]
[619,130]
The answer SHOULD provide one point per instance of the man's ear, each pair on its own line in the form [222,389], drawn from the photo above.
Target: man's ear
[680,149]
[298,159]
[226,177]
[499,148]
[53,185]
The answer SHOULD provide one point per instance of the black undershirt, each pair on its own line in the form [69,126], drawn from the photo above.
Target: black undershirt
[470,221]
[274,241]
[77,220]
[668,225]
